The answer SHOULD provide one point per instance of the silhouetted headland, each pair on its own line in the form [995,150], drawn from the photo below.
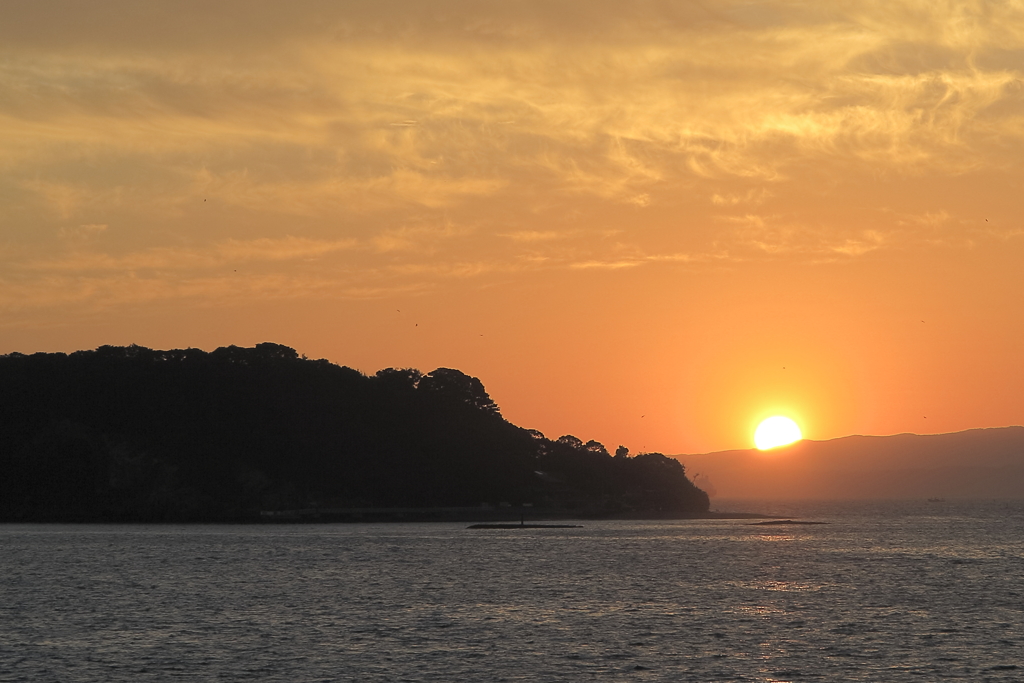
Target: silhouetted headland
[261,434]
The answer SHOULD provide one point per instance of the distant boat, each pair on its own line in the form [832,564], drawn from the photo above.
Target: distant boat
[936,500]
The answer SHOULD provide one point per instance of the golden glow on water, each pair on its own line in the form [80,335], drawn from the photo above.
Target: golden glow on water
[761,602]
[776,431]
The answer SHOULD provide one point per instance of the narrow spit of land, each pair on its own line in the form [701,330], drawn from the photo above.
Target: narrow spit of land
[521,525]
[778,522]
[513,516]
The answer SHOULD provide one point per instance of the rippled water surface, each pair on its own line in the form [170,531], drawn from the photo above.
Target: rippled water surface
[884,592]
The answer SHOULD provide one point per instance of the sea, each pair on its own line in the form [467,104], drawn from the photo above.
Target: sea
[882,591]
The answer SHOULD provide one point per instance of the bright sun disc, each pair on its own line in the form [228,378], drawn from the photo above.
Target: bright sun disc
[776,431]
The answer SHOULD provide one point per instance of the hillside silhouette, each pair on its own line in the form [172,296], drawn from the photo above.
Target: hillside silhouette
[976,463]
[135,434]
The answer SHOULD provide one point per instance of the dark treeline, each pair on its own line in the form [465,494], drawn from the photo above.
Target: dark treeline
[134,434]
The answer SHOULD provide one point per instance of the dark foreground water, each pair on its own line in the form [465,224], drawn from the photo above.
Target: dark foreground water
[885,592]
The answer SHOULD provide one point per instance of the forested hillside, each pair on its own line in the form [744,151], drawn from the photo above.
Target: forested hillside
[130,433]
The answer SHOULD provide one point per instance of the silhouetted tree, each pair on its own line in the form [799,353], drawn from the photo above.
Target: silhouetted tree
[571,441]
[456,386]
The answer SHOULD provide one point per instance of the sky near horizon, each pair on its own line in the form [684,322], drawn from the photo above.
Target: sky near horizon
[646,223]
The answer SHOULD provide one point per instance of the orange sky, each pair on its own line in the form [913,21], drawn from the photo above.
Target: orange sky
[625,218]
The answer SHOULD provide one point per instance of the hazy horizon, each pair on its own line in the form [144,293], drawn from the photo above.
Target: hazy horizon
[972,464]
[753,448]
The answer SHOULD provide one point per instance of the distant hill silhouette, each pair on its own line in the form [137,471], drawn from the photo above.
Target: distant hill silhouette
[133,434]
[978,463]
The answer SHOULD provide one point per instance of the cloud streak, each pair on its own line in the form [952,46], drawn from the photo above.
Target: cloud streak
[332,131]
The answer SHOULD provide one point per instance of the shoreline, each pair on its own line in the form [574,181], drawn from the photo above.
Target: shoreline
[465,515]
[488,515]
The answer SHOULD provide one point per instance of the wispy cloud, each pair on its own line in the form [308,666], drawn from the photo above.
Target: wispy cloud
[216,255]
[538,129]
[534,236]
[84,231]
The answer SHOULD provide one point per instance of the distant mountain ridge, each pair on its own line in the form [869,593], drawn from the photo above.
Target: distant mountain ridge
[976,463]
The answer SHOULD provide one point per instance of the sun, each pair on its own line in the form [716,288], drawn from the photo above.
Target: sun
[776,431]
